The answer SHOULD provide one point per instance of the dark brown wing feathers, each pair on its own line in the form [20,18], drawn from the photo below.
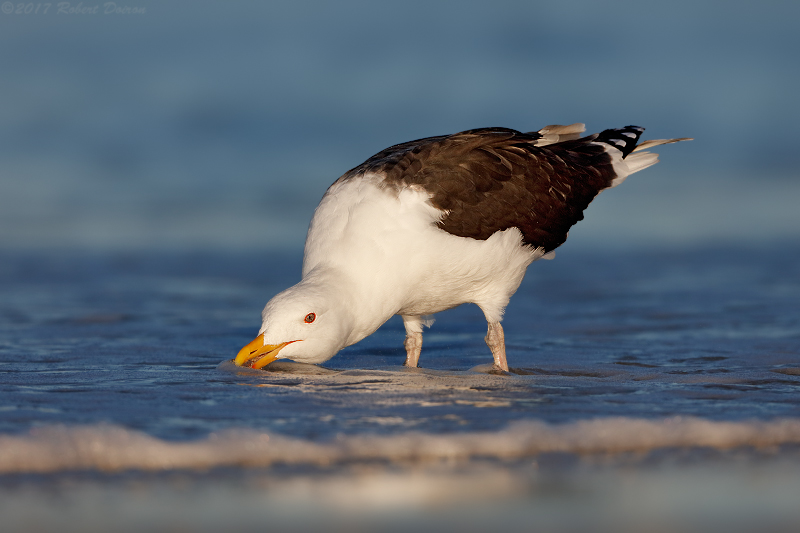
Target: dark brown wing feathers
[493,179]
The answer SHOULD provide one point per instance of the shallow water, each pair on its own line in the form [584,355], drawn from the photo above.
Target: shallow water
[634,373]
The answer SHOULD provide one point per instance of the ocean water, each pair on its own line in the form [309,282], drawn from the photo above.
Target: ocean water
[648,387]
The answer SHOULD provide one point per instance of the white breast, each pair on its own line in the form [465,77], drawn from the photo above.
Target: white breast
[400,262]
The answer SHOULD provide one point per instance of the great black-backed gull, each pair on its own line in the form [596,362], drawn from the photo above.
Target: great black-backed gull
[427,225]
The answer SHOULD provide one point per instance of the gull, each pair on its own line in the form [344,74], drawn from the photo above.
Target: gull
[427,225]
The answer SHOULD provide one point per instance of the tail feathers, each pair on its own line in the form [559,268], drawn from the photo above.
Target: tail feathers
[623,139]
[637,162]
[633,157]
[656,142]
[622,144]
[641,160]
[554,133]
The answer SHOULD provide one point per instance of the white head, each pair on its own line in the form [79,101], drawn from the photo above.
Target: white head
[307,323]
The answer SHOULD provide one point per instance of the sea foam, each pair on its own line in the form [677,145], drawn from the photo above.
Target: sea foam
[50,449]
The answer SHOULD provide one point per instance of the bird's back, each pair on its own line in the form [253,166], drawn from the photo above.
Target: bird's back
[491,179]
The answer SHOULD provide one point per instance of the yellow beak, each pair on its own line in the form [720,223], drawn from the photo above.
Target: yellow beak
[259,354]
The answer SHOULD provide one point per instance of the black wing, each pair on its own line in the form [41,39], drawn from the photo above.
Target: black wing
[491,179]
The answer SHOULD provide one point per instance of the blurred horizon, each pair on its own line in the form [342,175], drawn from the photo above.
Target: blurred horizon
[220,126]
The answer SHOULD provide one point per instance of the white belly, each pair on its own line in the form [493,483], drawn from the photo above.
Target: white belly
[400,262]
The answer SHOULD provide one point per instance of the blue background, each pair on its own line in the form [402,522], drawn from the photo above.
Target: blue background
[220,124]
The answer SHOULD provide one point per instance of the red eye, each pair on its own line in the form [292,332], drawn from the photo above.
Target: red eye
[310,317]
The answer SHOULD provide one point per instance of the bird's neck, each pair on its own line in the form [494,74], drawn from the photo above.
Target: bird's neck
[359,310]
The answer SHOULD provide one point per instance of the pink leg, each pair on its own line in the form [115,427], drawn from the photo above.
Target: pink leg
[413,344]
[496,341]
